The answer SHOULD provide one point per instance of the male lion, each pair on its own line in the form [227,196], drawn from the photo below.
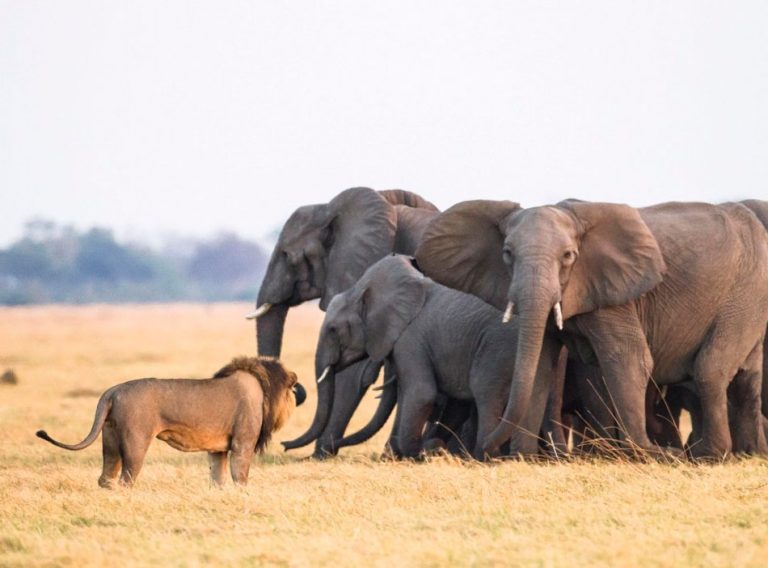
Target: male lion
[235,411]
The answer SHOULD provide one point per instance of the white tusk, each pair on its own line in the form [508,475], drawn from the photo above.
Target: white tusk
[260,311]
[558,309]
[508,313]
[325,374]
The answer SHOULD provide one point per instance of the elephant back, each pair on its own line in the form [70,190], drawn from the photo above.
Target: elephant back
[407,198]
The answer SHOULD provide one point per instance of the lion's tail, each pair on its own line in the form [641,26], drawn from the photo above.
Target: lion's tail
[102,410]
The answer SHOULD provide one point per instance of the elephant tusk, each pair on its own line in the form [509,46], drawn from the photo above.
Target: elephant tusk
[508,313]
[558,309]
[385,384]
[325,374]
[260,311]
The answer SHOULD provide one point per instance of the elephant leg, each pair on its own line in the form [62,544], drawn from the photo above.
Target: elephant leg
[715,438]
[467,436]
[447,429]
[416,404]
[490,406]
[217,464]
[626,364]
[586,397]
[410,435]
[662,419]
[731,346]
[351,385]
[745,408]
[111,457]
[435,432]
[553,432]
[392,447]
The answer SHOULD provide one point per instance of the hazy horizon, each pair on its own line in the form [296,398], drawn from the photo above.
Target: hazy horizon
[190,118]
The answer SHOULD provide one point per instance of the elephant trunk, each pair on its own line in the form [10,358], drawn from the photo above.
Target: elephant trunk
[325,390]
[269,330]
[354,382]
[532,318]
[383,412]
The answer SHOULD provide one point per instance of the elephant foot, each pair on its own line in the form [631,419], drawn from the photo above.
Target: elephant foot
[324,453]
[389,455]
[702,452]
[435,446]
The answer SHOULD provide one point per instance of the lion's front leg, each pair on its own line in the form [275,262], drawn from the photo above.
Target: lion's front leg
[218,465]
[243,447]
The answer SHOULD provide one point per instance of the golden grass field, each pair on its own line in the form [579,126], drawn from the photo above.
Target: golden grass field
[352,510]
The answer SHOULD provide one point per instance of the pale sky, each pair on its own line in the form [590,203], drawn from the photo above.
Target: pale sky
[189,117]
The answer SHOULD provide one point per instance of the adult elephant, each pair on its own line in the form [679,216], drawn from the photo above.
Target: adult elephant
[322,250]
[663,292]
[685,396]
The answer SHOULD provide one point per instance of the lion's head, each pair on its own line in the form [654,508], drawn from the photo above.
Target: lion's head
[282,391]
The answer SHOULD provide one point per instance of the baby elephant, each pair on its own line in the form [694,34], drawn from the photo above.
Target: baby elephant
[441,341]
[236,411]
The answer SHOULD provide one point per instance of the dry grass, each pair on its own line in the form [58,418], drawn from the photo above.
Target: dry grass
[351,510]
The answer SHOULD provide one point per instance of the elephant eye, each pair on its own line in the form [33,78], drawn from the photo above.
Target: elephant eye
[506,256]
[569,256]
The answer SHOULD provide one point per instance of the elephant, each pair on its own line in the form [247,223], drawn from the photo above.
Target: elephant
[440,341]
[231,416]
[322,250]
[588,412]
[685,396]
[665,292]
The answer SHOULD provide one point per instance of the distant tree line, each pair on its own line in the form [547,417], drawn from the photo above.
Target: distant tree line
[53,263]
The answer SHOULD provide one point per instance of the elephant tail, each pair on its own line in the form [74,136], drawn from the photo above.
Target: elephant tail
[102,411]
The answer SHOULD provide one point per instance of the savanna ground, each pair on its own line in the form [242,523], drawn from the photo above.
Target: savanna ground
[351,510]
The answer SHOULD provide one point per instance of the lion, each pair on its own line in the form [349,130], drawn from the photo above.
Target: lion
[231,416]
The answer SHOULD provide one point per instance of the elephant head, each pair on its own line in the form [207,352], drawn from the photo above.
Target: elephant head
[560,260]
[322,250]
[365,321]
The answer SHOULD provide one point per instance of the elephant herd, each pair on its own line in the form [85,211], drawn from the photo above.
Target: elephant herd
[503,330]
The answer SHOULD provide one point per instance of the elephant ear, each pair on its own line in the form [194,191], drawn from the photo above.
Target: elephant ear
[393,295]
[619,258]
[407,198]
[462,249]
[362,231]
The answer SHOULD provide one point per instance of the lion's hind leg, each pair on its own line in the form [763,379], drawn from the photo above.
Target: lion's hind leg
[111,457]
[133,450]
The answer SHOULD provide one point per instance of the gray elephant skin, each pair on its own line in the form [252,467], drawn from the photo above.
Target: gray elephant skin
[666,292]
[441,341]
[322,250]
